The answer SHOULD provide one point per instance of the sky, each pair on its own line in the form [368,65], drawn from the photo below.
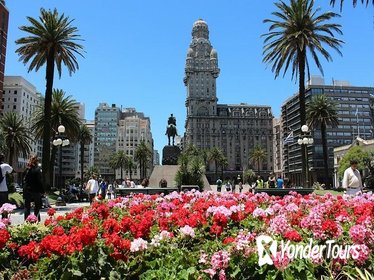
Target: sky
[135,53]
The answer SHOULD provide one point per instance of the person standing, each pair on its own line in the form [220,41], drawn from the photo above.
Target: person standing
[92,188]
[271,181]
[352,179]
[219,184]
[240,184]
[259,183]
[4,169]
[33,187]
[280,182]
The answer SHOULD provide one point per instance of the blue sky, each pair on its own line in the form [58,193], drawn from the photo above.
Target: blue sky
[136,50]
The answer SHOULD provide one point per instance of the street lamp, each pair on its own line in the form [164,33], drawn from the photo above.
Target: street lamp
[306,139]
[60,141]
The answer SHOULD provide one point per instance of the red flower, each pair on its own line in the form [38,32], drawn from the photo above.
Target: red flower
[51,211]
[4,237]
[293,235]
[30,251]
[228,240]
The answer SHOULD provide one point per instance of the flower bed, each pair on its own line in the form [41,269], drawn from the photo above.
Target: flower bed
[191,236]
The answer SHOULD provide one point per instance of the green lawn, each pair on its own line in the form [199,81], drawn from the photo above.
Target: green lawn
[333,192]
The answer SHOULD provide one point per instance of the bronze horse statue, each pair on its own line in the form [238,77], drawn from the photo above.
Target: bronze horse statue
[171,132]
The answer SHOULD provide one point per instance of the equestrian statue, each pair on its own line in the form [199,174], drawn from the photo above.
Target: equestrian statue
[171,129]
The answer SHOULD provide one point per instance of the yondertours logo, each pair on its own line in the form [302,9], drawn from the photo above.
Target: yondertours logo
[267,249]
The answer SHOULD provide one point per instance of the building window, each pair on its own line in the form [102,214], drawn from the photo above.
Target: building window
[15,92]
[14,107]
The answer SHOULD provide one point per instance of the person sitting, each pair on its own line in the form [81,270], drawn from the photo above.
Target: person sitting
[259,183]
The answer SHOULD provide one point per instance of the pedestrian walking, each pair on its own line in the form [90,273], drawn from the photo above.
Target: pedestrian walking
[4,169]
[219,185]
[92,188]
[33,187]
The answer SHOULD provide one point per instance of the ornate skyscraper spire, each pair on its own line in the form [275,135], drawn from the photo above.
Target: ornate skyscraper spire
[201,72]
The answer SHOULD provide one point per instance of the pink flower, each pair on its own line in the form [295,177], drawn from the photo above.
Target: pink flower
[138,245]
[363,254]
[280,262]
[7,208]
[203,258]
[357,234]
[187,231]
[222,275]
[220,260]
[32,218]
[210,271]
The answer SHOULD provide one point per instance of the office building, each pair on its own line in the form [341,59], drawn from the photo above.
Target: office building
[105,138]
[21,97]
[355,117]
[133,129]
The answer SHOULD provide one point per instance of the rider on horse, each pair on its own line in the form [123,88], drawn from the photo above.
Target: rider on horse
[171,129]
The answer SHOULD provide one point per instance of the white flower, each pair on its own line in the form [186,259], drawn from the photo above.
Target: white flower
[138,245]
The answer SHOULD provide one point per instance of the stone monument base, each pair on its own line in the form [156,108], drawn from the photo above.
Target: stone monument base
[170,155]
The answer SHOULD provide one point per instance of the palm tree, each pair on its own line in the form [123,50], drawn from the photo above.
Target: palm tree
[366,2]
[2,142]
[215,155]
[299,30]
[51,41]
[119,160]
[257,155]
[322,113]
[130,166]
[16,135]
[143,155]
[63,111]
[84,138]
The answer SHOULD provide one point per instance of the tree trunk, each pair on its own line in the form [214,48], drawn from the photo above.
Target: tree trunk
[47,119]
[121,173]
[82,161]
[216,165]
[325,154]
[258,167]
[51,167]
[301,54]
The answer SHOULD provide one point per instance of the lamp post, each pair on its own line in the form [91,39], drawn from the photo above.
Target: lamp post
[306,139]
[60,141]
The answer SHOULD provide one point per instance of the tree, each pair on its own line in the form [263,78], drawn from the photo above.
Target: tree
[130,166]
[257,155]
[3,147]
[191,167]
[63,111]
[299,30]
[84,138]
[52,40]
[119,160]
[91,171]
[366,2]
[143,155]
[354,153]
[249,176]
[321,114]
[16,135]
[215,155]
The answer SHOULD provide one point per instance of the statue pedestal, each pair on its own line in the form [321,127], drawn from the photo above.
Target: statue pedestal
[170,155]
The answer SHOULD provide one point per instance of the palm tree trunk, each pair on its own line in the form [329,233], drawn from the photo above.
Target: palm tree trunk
[301,54]
[325,153]
[47,119]
[258,167]
[82,161]
[121,173]
[216,166]
[51,167]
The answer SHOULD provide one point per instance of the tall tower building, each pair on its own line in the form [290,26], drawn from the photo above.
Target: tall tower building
[106,131]
[234,129]
[4,17]
[201,72]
